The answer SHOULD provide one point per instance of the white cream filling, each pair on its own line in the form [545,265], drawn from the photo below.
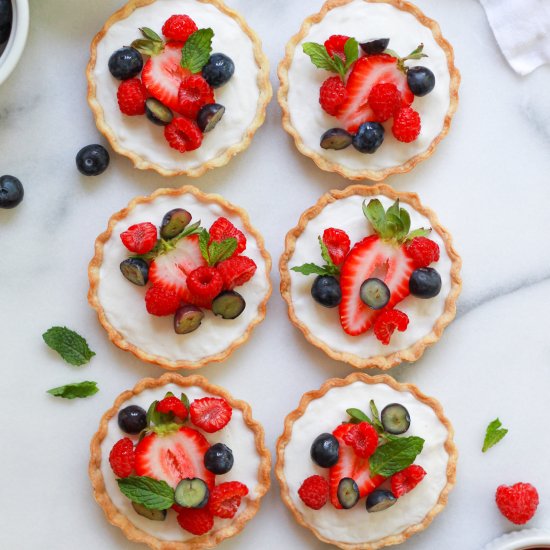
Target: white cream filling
[236,435]
[124,303]
[364,20]
[239,96]
[356,525]
[324,323]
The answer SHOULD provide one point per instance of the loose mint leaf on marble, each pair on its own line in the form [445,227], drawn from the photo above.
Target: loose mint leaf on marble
[196,50]
[70,345]
[495,432]
[152,493]
[396,455]
[72,391]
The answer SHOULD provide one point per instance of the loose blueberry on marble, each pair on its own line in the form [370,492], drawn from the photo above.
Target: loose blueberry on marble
[209,116]
[421,80]
[326,291]
[380,500]
[325,450]
[218,70]
[132,419]
[377,45]
[157,112]
[218,459]
[347,493]
[369,137]
[6,16]
[187,319]
[336,138]
[135,270]
[425,282]
[174,222]
[125,63]
[395,419]
[11,191]
[92,160]
[228,304]
[374,293]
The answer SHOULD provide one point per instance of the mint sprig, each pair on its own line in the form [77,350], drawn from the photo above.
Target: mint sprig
[72,347]
[495,432]
[417,53]
[357,415]
[76,390]
[322,59]
[152,493]
[395,455]
[196,50]
[313,269]
[216,251]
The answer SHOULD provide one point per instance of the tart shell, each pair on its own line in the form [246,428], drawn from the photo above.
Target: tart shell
[329,166]
[381,379]
[115,517]
[412,353]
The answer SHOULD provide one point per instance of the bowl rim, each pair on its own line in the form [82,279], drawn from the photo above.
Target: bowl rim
[17,40]
[516,540]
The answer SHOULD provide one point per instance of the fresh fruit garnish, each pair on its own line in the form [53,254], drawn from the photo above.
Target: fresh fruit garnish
[198,521]
[179,27]
[194,92]
[91,160]
[406,125]
[122,457]
[131,96]
[6,20]
[204,284]
[325,450]
[375,45]
[183,135]
[210,414]
[494,433]
[219,459]
[380,500]
[369,137]
[11,191]
[153,515]
[384,100]
[225,498]
[425,282]
[161,301]
[158,113]
[187,319]
[517,503]
[140,237]
[326,291]
[335,61]
[236,271]
[135,270]
[223,229]
[335,45]
[332,95]
[347,493]
[209,116]
[132,419]
[228,304]
[337,243]
[125,63]
[362,438]
[336,138]
[314,492]
[172,404]
[191,493]
[406,480]
[375,293]
[387,322]
[421,80]
[395,419]
[423,251]
[174,222]
[218,70]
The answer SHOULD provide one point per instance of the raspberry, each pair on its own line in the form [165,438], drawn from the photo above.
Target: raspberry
[225,498]
[161,301]
[335,45]
[406,480]
[122,457]
[384,100]
[423,251]
[337,243]
[179,27]
[210,414]
[517,503]
[197,521]
[183,135]
[387,322]
[205,283]
[236,271]
[363,438]
[194,92]
[172,405]
[332,95]
[314,492]
[222,229]
[406,125]
[131,96]
[140,237]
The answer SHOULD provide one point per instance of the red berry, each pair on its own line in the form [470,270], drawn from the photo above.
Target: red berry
[172,405]
[236,271]
[406,480]
[384,100]
[205,283]
[194,92]
[131,96]
[314,492]
[406,125]
[337,243]
[387,322]
[183,135]
[335,45]
[223,229]
[423,251]
[332,95]
[517,503]
[179,27]
[211,414]
[197,521]
[122,457]
[140,238]
[161,301]
[363,438]
[225,499]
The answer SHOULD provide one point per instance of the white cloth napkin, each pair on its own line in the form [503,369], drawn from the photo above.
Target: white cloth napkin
[522,30]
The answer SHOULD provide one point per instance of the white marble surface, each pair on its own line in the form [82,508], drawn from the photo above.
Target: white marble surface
[488,181]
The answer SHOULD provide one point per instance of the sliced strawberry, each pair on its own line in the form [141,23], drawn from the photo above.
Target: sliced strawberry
[174,457]
[350,465]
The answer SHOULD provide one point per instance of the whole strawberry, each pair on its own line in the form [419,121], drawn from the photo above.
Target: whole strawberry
[517,503]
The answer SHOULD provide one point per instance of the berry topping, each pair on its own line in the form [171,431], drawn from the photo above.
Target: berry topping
[204,283]
[187,319]
[197,521]
[374,293]
[122,457]
[6,20]
[160,300]
[125,63]
[91,160]
[183,135]
[236,271]
[384,100]
[209,116]
[228,305]
[395,419]
[369,137]
[324,450]
[387,322]
[218,70]
[314,492]
[225,498]
[223,229]
[210,414]
[131,96]
[421,80]
[174,222]
[406,480]
[336,138]
[140,237]
[374,46]
[191,493]
[173,405]
[179,27]
[363,438]
[423,251]
[135,270]
[158,113]
[337,243]
[153,515]
[347,493]
[425,282]
[11,191]
[406,125]
[132,419]
[517,503]
[194,92]
[379,500]
[326,291]
[219,459]
[332,95]
[335,45]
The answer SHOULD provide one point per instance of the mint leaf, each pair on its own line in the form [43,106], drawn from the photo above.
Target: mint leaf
[313,269]
[493,435]
[196,50]
[192,229]
[319,56]
[150,34]
[396,455]
[204,238]
[72,391]
[357,416]
[69,344]
[376,416]
[152,493]
[220,251]
[351,51]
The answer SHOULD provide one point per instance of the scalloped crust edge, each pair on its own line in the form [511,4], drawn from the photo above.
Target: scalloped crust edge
[380,379]
[264,84]
[412,353]
[320,161]
[116,518]
[95,265]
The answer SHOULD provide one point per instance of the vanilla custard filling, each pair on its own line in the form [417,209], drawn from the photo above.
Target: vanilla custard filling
[239,96]
[363,21]
[356,525]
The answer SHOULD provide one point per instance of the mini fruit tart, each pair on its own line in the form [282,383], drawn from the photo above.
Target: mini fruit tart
[178,87]
[370,276]
[180,278]
[366,462]
[385,81]
[178,463]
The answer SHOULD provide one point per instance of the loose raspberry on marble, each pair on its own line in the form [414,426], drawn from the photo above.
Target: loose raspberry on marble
[517,503]
[197,521]
[140,237]
[183,135]
[194,92]
[179,27]
[406,125]
[423,251]
[225,499]
[384,100]
[172,405]
[387,322]
[131,96]
[122,457]
[161,301]
[362,438]
[337,243]
[314,492]
[406,480]
[332,95]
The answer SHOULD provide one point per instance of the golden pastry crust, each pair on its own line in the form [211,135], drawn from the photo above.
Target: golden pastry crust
[411,353]
[264,98]
[115,517]
[94,278]
[381,379]
[329,166]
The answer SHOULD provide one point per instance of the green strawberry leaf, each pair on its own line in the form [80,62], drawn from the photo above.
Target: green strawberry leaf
[418,233]
[326,256]
[150,34]
[151,493]
[375,213]
[147,47]
[405,220]
[220,251]
[351,51]
[495,432]
[72,391]
[396,455]
[313,269]
[196,50]
[69,344]
[151,413]
[185,400]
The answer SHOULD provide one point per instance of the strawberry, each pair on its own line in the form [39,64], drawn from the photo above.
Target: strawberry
[236,271]
[406,480]
[197,521]
[350,465]
[337,243]
[210,414]
[174,457]
[222,229]
[387,322]
[140,237]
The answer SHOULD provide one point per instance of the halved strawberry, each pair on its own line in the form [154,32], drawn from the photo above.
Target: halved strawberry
[174,457]
[350,465]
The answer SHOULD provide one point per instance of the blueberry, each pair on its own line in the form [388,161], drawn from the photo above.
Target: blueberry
[374,293]
[135,270]
[187,319]
[395,419]
[347,493]
[125,63]
[209,115]
[218,459]
[325,450]
[157,112]
[6,16]
[369,137]
[336,138]
[421,80]
[380,500]
[228,304]
[132,419]
[191,493]
[154,515]
[377,45]
[326,291]
[11,192]
[425,282]
[92,160]
[174,222]
[218,70]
